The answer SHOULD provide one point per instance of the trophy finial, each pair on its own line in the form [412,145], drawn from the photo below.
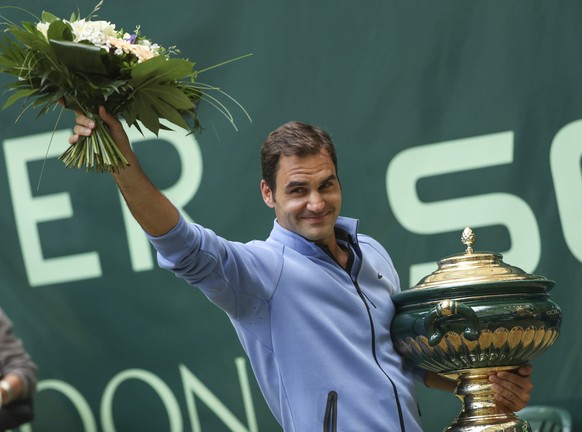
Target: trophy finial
[468,238]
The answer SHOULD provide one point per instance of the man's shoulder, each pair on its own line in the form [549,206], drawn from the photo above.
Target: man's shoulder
[265,245]
[370,241]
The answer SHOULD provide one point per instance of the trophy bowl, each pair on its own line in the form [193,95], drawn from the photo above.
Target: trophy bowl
[473,316]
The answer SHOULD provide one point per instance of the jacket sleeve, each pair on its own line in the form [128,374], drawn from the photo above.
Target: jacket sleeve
[226,272]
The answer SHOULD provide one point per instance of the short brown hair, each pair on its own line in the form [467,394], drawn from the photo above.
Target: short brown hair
[293,139]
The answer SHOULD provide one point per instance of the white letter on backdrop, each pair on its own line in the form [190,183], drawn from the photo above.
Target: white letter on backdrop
[87,418]
[193,386]
[565,156]
[30,211]
[412,164]
[160,387]
[180,193]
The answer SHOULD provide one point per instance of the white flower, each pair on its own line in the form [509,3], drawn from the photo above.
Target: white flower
[43,28]
[102,34]
[95,32]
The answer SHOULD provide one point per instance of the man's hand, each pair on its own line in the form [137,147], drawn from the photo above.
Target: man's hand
[84,127]
[513,389]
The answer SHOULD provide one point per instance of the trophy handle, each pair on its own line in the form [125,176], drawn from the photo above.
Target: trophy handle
[450,308]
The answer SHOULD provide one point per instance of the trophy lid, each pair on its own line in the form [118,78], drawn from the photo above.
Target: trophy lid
[477,269]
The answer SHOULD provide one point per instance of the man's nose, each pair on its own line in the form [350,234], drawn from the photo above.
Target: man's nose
[315,202]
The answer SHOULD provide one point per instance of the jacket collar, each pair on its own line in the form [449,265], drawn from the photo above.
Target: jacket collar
[344,225]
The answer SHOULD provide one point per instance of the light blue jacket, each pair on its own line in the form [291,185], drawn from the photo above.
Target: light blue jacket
[318,338]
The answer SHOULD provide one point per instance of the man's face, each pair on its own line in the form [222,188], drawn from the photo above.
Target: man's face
[308,198]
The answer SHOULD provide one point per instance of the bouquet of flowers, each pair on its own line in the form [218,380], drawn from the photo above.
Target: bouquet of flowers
[84,63]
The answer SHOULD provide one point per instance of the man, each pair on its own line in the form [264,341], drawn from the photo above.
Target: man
[312,304]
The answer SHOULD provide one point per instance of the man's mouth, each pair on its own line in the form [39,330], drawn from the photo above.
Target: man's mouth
[316,217]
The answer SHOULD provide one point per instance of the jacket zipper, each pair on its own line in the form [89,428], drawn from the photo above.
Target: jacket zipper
[363,297]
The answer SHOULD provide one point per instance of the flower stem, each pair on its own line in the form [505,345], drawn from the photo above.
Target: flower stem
[98,152]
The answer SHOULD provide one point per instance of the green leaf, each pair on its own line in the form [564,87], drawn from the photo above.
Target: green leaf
[24,93]
[48,17]
[169,94]
[160,69]
[170,113]
[145,114]
[30,37]
[156,94]
[60,31]
[48,99]
[130,115]
[164,99]
[80,57]
[11,56]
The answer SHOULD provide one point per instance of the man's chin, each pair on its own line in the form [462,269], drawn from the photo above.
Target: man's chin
[319,232]
[316,236]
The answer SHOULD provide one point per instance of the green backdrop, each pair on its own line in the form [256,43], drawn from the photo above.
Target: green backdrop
[445,114]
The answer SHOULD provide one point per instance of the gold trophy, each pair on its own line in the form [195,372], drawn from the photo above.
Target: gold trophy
[476,315]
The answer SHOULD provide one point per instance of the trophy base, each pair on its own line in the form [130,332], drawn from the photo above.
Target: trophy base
[489,424]
[480,411]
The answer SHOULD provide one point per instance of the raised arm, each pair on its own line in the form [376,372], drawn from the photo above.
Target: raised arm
[150,208]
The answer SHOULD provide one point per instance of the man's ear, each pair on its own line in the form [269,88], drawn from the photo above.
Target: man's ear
[267,194]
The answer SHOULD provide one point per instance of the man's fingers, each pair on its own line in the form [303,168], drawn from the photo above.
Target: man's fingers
[513,389]
[510,401]
[85,121]
[84,127]
[512,380]
[525,370]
